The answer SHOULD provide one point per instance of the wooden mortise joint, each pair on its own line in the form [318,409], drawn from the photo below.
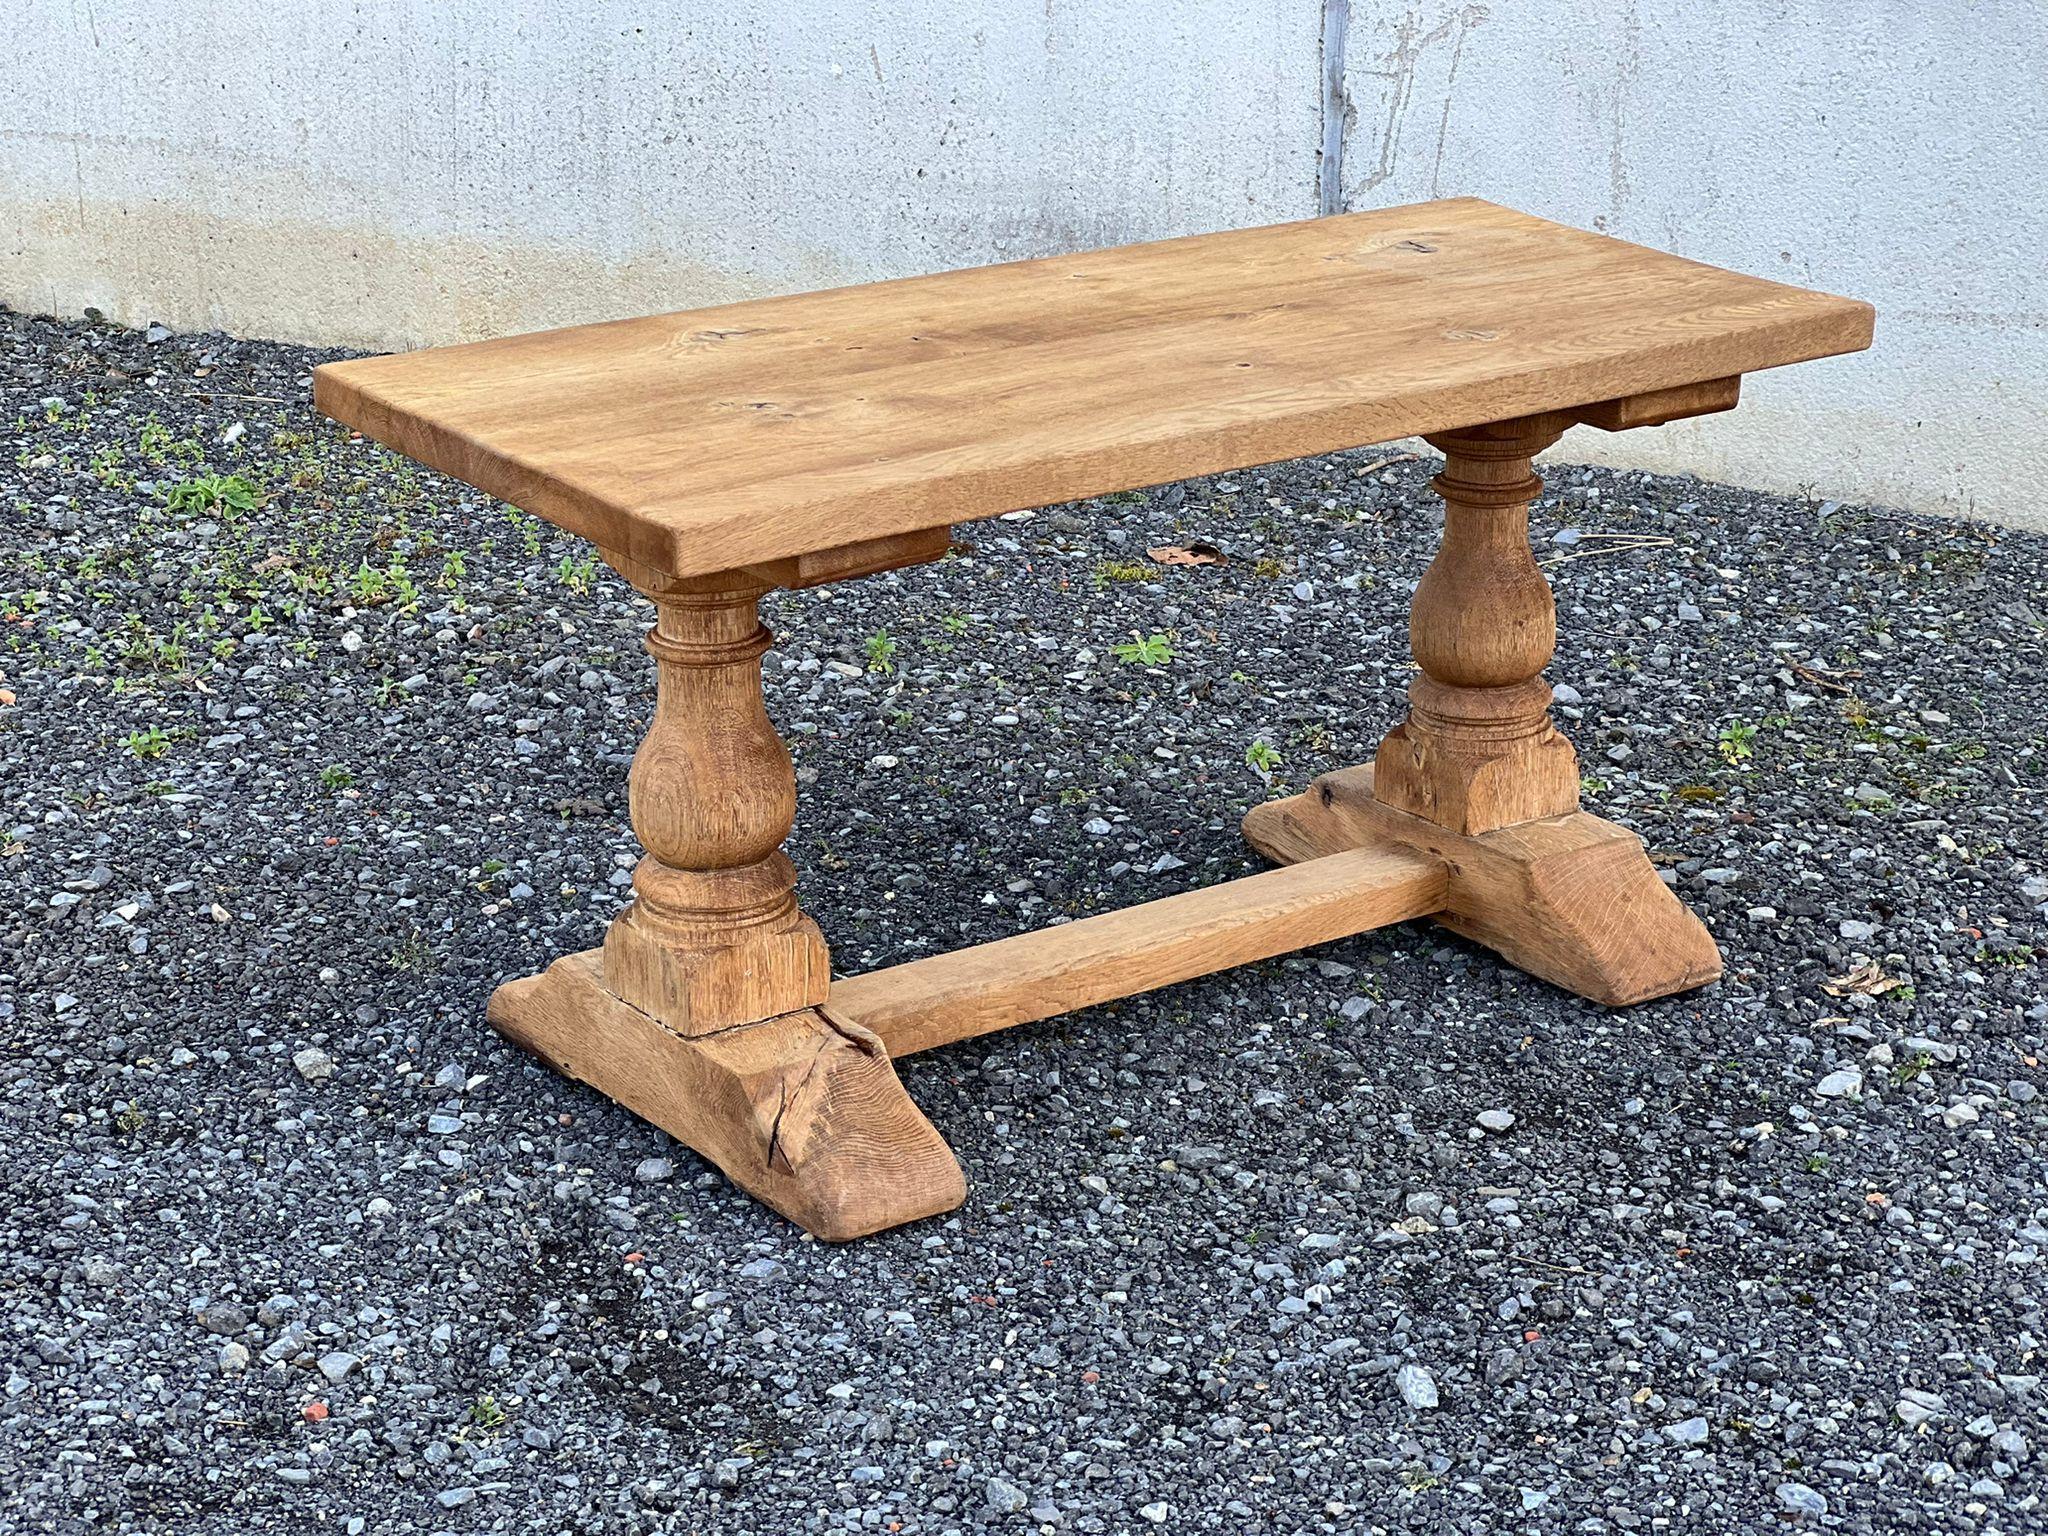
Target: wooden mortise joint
[1478,749]
[1655,407]
[865,557]
[713,936]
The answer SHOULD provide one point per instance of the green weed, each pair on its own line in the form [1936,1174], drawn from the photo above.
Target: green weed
[1153,651]
[210,493]
[146,745]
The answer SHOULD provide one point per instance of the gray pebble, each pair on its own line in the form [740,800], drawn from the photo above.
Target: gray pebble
[336,1366]
[1842,1083]
[1416,1386]
[1800,1500]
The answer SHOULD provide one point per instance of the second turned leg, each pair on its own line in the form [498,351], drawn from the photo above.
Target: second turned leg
[1478,776]
[1478,750]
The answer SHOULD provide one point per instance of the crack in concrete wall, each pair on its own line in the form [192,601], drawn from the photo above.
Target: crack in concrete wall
[1336,107]
[1397,68]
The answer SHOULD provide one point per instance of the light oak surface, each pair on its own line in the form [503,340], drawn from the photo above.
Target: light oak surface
[721,438]
[943,998]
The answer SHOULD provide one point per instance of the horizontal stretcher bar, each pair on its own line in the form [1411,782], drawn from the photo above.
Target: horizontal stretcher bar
[931,1002]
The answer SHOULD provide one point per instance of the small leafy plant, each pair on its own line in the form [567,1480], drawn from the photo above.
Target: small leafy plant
[368,586]
[1153,651]
[486,1414]
[144,745]
[576,575]
[1912,1068]
[1107,571]
[881,650]
[1737,743]
[208,493]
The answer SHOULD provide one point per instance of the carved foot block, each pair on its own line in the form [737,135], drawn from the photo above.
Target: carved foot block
[804,1114]
[756,973]
[1572,898]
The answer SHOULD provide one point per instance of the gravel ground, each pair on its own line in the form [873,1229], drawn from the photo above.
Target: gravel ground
[305,750]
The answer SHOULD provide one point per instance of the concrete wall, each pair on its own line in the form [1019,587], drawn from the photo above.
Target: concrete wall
[1895,150]
[411,171]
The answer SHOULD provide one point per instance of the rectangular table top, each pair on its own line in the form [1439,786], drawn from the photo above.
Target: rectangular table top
[713,438]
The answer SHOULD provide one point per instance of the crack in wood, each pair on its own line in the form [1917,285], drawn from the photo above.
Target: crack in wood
[789,1094]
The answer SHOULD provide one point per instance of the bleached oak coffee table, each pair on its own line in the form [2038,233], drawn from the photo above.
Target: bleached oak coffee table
[715,454]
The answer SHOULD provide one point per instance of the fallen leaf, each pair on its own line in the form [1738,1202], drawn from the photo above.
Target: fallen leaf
[1866,979]
[314,1411]
[1196,553]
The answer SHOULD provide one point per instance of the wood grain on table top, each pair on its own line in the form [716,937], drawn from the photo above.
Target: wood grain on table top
[712,438]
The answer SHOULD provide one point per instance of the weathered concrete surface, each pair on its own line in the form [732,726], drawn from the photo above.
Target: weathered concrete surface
[399,174]
[1896,150]
[410,172]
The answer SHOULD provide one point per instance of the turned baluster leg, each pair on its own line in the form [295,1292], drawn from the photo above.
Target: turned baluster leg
[1478,776]
[713,936]
[1478,750]
[701,1011]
